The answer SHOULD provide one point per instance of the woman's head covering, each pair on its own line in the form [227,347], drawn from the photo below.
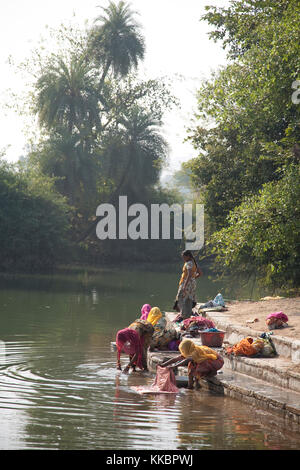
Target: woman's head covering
[199,354]
[129,342]
[145,311]
[154,315]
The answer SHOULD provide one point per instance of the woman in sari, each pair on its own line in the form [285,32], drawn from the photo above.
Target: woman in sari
[164,332]
[135,341]
[202,361]
[128,341]
[145,331]
[186,294]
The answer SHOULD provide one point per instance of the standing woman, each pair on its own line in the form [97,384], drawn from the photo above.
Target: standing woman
[186,295]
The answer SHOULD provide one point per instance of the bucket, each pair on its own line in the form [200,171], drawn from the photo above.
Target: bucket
[213,339]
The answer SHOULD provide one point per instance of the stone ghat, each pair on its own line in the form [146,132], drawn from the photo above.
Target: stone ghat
[267,383]
[281,371]
[255,392]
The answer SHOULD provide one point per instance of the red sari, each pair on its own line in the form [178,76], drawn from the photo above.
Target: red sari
[129,342]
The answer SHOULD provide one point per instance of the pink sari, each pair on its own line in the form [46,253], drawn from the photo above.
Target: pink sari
[129,342]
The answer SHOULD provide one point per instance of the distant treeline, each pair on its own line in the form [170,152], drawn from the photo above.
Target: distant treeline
[100,137]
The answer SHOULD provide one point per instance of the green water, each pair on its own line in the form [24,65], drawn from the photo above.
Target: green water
[59,388]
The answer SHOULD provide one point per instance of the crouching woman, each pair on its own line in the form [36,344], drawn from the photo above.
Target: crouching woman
[202,361]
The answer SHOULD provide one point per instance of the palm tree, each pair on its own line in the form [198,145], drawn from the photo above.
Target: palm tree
[116,42]
[68,97]
[146,151]
[65,157]
[135,156]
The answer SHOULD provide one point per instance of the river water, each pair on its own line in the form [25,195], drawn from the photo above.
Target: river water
[59,388]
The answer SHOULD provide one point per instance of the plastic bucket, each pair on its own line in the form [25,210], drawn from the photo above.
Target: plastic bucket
[213,339]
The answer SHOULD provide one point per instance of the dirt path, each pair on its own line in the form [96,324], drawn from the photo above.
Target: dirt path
[242,311]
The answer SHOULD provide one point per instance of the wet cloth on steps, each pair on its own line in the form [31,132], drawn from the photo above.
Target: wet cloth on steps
[165,382]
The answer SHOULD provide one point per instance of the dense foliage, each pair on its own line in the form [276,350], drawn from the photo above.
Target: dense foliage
[100,132]
[248,135]
[33,221]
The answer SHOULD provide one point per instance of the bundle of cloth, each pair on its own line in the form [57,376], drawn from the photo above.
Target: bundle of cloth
[217,302]
[276,320]
[246,347]
[201,322]
[260,347]
[194,325]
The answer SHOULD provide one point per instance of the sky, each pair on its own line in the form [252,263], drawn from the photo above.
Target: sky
[177,44]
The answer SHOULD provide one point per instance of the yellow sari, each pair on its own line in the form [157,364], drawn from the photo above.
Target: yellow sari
[198,353]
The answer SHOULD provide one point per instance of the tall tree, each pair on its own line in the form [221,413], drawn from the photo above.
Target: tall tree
[67,96]
[116,42]
[253,124]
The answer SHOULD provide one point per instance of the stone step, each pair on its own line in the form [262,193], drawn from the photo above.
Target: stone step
[280,371]
[256,392]
[285,403]
[275,371]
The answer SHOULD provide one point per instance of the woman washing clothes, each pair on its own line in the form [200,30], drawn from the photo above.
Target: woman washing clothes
[164,332]
[202,361]
[186,295]
[134,341]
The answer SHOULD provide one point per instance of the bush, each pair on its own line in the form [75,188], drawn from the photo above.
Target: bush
[263,234]
[33,220]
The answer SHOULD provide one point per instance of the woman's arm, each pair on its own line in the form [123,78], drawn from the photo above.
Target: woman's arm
[170,361]
[183,362]
[199,272]
[130,364]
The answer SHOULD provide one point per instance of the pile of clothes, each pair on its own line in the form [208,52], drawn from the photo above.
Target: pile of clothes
[263,346]
[276,320]
[193,326]
[217,302]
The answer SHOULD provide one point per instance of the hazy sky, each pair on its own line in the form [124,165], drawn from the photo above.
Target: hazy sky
[176,43]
